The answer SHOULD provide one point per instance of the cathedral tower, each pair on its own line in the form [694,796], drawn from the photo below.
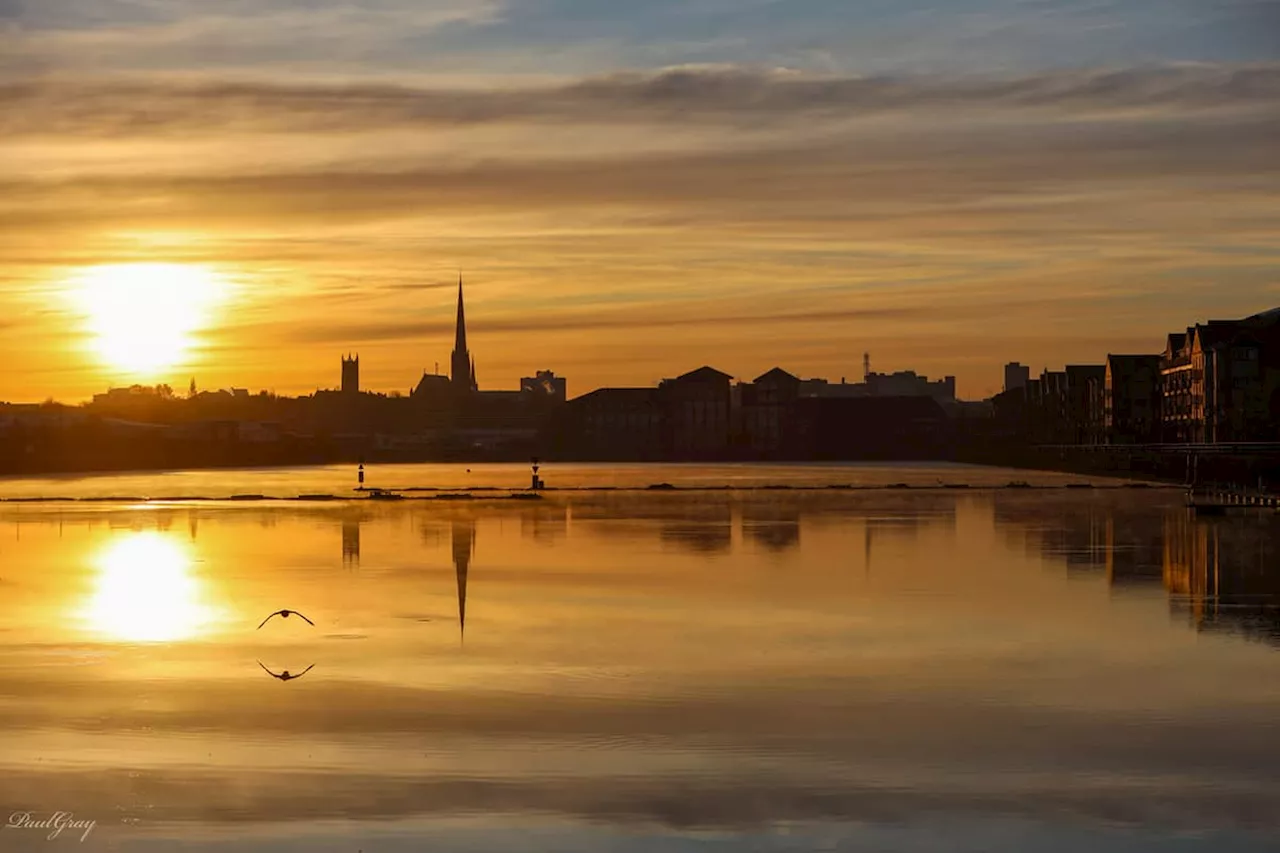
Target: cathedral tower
[350,375]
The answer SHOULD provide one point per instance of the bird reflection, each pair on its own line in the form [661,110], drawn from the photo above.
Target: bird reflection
[464,546]
[285,614]
[284,674]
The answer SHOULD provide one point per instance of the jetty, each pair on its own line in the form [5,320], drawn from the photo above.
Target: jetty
[1217,500]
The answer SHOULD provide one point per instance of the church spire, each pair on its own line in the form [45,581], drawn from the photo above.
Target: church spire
[460,333]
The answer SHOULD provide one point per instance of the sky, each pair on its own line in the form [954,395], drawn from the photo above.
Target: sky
[631,190]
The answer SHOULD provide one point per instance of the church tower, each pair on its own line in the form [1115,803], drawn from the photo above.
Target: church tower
[350,375]
[463,371]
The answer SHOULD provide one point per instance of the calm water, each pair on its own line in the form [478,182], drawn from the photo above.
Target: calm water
[879,670]
[341,479]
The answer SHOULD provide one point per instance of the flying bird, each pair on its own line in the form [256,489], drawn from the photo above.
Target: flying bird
[286,614]
[284,673]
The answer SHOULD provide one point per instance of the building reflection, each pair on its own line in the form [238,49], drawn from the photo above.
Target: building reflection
[705,530]
[1221,576]
[1080,541]
[706,524]
[771,527]
[1075,533]
[351,542]
[463,536]
[1135,552]
[545,524]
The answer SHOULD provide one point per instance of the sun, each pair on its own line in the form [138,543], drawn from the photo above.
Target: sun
[146,591]
[145,318]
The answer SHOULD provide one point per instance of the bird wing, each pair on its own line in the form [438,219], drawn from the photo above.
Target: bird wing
[308,621]
[267,671]
[268,619]
[304,672]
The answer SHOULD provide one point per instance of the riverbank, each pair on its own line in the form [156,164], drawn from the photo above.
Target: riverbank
[1172,466]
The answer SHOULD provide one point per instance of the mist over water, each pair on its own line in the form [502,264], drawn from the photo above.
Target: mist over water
[1045,669]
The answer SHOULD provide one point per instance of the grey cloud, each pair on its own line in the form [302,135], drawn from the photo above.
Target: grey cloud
[855,182]
[728,95]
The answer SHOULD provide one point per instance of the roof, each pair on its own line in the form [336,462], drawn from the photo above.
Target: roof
[777,374]
[1130,358]
[430,382]
[704,374]
[616,395]
[1131,363]
[1264,318]
[1085,370]
[1216,332]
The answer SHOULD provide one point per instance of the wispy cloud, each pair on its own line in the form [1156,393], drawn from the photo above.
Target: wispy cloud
[700,95]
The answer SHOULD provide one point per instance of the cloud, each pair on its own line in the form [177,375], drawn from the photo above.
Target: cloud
[57,34]
[1050,212]
[551,323]
[1005,178]
[714,96]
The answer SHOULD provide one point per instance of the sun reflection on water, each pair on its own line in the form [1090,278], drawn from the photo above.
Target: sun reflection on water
[146,590]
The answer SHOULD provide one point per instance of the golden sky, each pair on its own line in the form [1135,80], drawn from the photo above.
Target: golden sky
[630,193]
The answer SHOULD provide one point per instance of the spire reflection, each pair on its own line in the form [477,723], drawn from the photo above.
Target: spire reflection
[464,545]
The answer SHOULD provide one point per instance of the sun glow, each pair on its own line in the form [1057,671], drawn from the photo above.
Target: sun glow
[146,318]
[146,591]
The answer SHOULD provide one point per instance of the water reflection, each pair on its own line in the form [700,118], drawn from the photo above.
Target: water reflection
[772,528]
[351,542]
[545,525]
[1220,573]
[146,590]
[463,546]
[1222,576]
[707,530]
[716,661]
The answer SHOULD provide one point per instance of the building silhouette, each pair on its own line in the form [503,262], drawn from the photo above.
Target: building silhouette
[767,405]
[697,405]
[1016,376]
[1220,381]
[1131,399]
[545,385]
[351,375]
